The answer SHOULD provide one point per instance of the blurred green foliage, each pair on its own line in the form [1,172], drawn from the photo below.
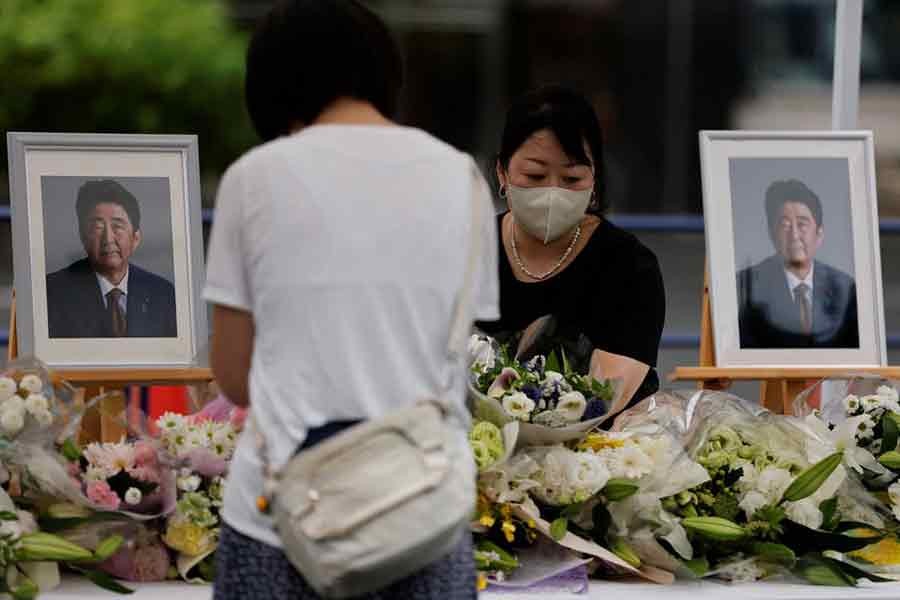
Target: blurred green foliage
[126,66]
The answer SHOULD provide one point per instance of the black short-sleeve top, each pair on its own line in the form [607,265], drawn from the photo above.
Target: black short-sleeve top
[611,293]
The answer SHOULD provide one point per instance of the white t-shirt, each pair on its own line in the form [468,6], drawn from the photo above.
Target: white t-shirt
[348,244]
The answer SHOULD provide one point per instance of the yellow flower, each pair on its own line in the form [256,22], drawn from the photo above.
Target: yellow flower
[187,538]
[487,520]
[884,553]
[505,511]
[481,582]
[531,523]
[599,441]
[509,530]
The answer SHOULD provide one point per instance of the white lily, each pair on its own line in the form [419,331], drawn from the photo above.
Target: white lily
[841,439]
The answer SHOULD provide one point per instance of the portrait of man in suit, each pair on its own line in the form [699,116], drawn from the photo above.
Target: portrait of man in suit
[790,299]
[104,294]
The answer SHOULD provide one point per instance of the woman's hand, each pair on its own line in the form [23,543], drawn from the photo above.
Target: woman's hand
[232,348]
[629,372]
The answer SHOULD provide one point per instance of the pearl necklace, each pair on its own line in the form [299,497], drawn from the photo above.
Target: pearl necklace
[558,264]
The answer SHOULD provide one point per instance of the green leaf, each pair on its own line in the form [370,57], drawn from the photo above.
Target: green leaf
[889,432]
[567,369]
[7,515]
[552,363]
[812,479]
[774,553]
[572,510]
[27,590]
[803,539]
[830,516]
[105,581]
[890,459]
[108,547]
[698,566]
[558,528]
[619,488]
[818,571]
[70,450]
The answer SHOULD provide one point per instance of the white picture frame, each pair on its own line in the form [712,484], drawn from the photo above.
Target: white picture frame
[757,316]
[57,318]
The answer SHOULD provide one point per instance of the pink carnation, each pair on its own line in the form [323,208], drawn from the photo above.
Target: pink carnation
[145,455]
[146,463]
[238,416]
[102,495]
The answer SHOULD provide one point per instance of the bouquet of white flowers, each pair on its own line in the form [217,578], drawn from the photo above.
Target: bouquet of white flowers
[777,496]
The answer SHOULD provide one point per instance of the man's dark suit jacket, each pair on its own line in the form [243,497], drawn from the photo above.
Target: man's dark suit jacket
[75,306]
[768,317]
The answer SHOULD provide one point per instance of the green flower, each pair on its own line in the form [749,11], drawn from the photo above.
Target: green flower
[486,441]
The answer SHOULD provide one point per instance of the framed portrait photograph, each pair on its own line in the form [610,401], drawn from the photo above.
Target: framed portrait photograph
[793,248]
[107,249]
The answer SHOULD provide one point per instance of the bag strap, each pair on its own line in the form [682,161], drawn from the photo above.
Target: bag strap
[456,341]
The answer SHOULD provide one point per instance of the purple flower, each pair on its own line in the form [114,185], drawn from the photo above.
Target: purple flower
[532,391]
[595,408]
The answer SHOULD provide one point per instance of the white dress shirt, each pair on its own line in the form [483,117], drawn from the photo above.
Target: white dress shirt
[793,281]
[106,287]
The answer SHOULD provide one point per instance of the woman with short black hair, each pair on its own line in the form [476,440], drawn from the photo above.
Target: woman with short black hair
[601,288]
[334,265]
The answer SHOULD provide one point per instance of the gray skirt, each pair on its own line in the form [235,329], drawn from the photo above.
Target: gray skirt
[249,569]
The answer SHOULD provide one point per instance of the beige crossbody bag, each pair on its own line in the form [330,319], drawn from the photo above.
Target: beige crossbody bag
[381,500]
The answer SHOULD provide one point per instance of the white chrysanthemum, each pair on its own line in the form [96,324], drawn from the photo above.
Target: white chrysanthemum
[752,502]
[133,496]
[865,429]
[171,422]
[44,418]
[629,462]
[851,404]
[518,406]
[8,388]
[12,421]
[15,403]
[190,483]
[31,384]
[196,439]
[223,434]
[36,403]
[870,403]
[805,512]
[889,398]
[572,406]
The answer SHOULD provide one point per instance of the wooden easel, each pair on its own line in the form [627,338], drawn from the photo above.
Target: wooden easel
[102,423]
[779,386]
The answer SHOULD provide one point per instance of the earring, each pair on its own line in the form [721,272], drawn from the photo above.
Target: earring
[502,191]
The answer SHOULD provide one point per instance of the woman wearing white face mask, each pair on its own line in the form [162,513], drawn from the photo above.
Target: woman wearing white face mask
[602,288]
